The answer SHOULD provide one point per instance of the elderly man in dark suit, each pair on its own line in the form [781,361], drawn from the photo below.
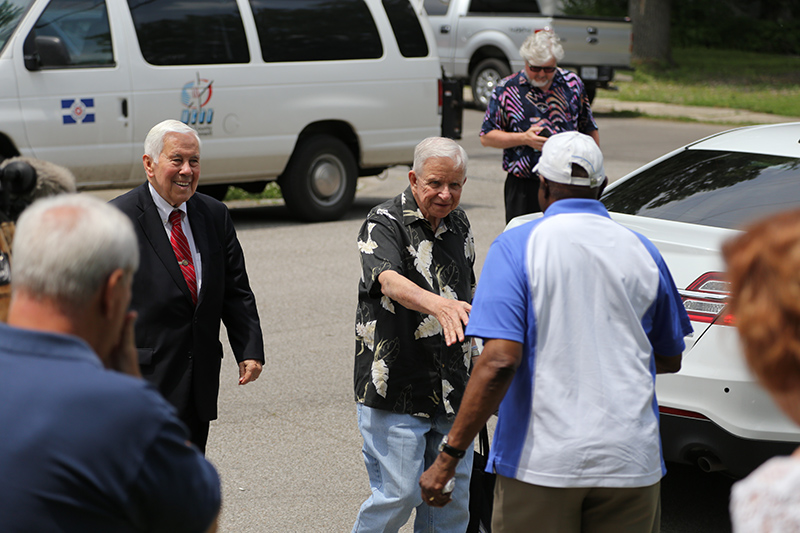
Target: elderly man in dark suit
[192,277]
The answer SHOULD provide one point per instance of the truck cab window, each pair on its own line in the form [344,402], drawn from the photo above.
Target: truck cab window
[316,30]
[200,32]
[73,33]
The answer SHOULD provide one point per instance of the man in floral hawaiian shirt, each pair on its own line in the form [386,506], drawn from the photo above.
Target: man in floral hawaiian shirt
[526,108]
[412,358]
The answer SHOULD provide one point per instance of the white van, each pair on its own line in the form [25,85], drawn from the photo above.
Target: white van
[313,93]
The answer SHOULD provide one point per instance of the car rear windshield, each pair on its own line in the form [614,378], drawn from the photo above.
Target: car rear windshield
[712,188]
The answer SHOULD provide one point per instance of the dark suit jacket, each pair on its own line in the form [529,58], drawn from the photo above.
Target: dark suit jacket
[178,343]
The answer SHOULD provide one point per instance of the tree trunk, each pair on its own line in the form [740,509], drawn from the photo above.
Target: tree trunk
[651,22]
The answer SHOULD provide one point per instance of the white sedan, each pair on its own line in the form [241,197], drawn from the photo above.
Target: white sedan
[688,202]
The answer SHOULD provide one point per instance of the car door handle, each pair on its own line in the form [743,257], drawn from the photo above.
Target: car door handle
[125,107]
[444,28]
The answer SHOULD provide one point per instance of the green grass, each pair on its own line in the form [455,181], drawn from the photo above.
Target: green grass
[718,78]
[271,191]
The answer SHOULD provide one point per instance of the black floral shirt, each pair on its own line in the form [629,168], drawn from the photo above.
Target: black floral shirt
[402,363]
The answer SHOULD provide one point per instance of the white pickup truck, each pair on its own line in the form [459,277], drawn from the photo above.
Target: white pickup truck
[479,41]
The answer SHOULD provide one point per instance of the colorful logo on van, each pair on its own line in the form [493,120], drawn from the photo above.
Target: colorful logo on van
[195,96]
[77,110]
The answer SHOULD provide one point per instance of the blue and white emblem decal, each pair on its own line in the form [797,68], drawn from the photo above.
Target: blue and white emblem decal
[77,110]
[195,97]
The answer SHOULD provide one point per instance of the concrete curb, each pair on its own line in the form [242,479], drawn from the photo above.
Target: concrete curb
[701,114]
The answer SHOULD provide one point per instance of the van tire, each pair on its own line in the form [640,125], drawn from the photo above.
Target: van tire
[319,183]
[485,77]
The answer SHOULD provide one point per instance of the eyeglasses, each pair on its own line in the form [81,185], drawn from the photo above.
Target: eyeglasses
[548,70]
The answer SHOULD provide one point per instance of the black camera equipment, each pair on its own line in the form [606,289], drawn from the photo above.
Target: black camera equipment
[17,181]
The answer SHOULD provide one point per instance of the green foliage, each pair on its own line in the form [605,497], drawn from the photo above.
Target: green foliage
[766,83]
[767,26]
[271,191]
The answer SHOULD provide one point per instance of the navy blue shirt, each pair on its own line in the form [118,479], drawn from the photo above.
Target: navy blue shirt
[88,449]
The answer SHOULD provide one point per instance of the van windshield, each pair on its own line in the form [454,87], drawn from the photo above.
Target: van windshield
[11,12]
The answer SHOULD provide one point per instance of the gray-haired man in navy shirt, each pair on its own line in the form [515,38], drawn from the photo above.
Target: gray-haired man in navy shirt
[87,444]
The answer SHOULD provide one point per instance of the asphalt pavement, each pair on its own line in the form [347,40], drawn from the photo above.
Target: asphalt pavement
[287,446]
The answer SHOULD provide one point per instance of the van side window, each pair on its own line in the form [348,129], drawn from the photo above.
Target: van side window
[504,6]
[316,30]
[436,7]
[200,32]
[407,31]
[72,33]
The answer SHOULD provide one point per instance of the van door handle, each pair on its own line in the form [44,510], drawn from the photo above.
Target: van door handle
[444,29]
[592,40]
[125,107]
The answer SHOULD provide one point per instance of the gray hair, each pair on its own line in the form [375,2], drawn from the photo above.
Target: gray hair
[439,147]
[540,47]
[154,142]
[66,246]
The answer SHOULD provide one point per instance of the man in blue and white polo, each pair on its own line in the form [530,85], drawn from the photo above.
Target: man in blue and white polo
[578,314]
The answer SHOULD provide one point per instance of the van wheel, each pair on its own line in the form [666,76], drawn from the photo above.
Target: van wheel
[484,79]
[320,180]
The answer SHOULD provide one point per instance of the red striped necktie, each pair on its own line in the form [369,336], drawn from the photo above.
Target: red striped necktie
[182,252]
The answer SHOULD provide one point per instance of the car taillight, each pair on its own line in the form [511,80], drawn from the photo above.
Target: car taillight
[705,299]
[681,412]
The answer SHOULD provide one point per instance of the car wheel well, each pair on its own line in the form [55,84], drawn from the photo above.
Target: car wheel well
[487,52]
[335,128]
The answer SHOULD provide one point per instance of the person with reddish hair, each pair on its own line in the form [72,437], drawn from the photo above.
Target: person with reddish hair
[764,273]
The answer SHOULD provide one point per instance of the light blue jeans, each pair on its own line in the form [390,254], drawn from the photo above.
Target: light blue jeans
[397,449]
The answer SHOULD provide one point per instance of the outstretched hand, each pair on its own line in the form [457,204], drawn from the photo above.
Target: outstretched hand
[453,315]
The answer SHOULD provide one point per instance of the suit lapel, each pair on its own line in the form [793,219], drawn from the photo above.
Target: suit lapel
[153,229]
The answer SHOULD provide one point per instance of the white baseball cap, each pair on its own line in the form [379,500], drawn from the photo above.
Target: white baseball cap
[562,150]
